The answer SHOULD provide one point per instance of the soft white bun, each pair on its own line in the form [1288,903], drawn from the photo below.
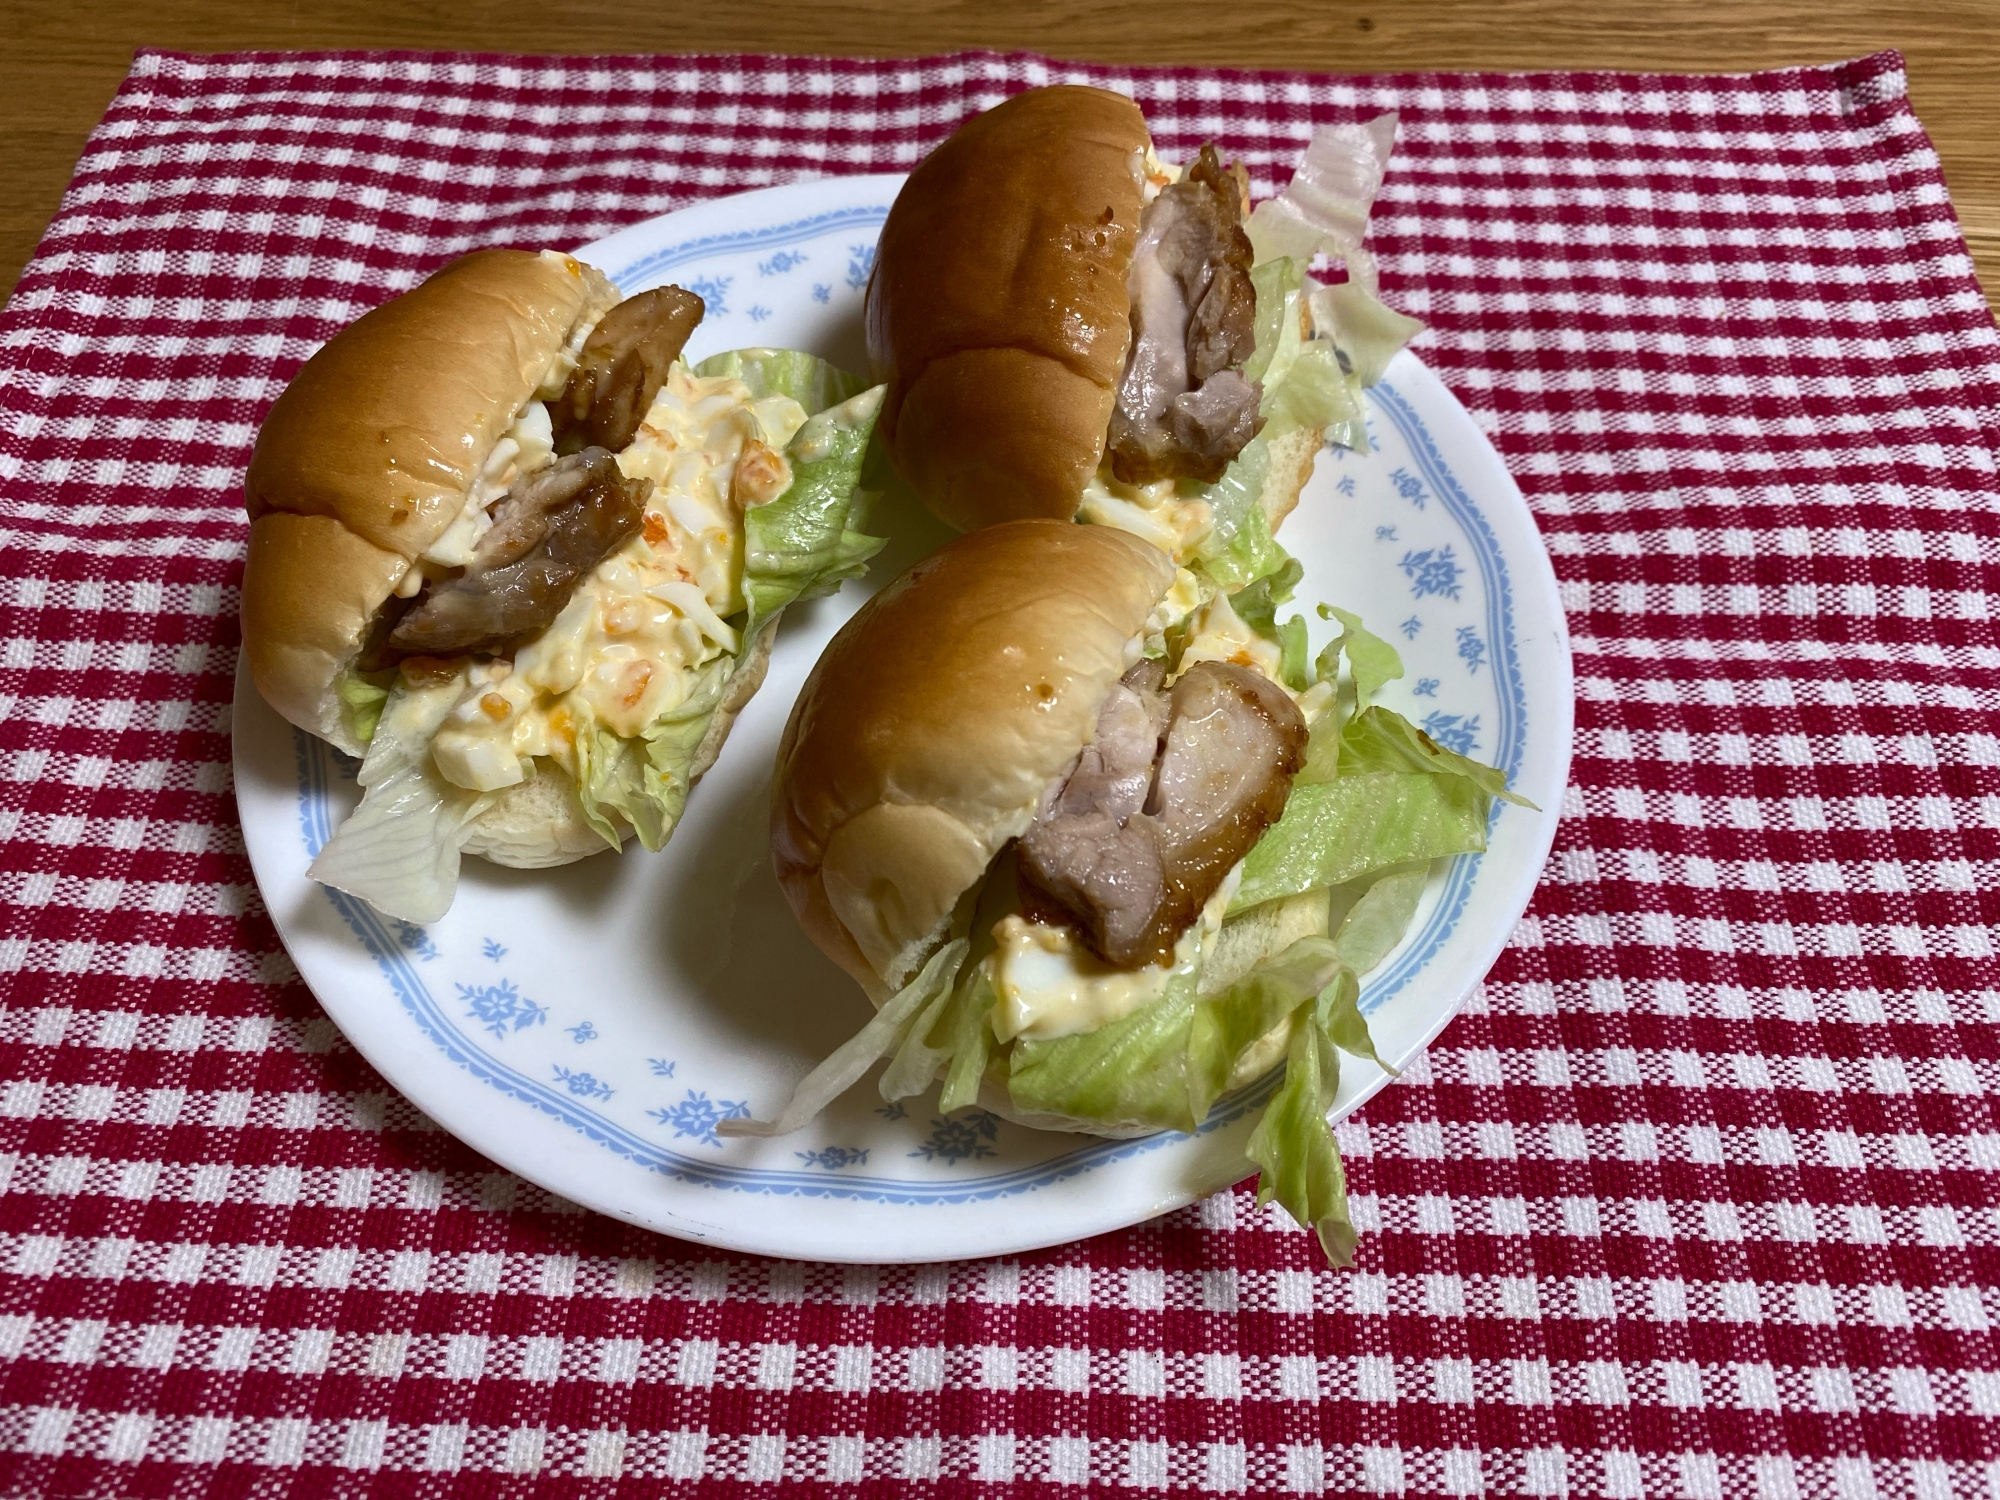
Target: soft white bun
[535,824]
[933,723]
[367,456]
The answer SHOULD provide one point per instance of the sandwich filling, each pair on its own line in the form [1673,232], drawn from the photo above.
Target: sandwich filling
[1184,408]
[1237,354]
[602,607]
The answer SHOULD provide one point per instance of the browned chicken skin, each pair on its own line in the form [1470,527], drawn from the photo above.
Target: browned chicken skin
[1184,409]
[548,531]
[621,368]
[1173,791]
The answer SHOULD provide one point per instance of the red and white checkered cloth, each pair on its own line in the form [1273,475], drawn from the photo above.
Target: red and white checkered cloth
[1701,1196]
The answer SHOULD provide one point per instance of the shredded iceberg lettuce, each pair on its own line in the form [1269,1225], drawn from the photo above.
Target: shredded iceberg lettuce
[807,379]
[1325,206]
[805,543]
[1297,1158]
[1324,210]
[883,1036]
[1305,387]
[361,702]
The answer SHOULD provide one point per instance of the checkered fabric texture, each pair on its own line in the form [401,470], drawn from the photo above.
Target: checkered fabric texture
[1698,1196]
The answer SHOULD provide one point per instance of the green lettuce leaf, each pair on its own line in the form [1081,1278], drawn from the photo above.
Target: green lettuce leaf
[361,701]
[1239,549]
[1343,829]
[1166,1064]
[801,544]
[1226,1026]
[965,1039]
[1379,916]
[1304,387]
[809,380]
[1257,607]
[1371,661]
[1293,1147]
[1378,739]
[884,1035]
[1131,1072]
[1367,330]
[1341,1019]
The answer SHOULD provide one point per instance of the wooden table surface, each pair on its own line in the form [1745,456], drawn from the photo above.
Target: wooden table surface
[65,61]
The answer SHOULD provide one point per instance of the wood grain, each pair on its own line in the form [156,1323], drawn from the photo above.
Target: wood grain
[65,61]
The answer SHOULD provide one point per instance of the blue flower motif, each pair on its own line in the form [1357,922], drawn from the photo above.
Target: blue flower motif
[582,1032]
[415,940]
[1471,649]
[833,1158]
[583,1085]
[501,1008]
[1454,733]
[661,1067]
[1385,534]
[779,264]
[1432,571]
[1407,485]
[1346,487]
[860,261]
[493,949]
[1410,627]
[697,1116]
[759,314]
[1427,687]
[822,291]
[713,291]
[892,1111]
[957,1137]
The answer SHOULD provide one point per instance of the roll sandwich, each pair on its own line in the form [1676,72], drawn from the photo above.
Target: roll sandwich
[510,550]
[1069,327]
[1098,866]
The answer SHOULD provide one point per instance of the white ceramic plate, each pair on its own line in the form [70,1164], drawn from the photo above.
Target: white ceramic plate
[588,1027]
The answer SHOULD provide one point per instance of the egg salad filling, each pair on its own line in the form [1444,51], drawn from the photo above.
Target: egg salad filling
[754,464]
[632,641]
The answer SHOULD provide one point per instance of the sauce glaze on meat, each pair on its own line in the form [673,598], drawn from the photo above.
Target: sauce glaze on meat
[548,531]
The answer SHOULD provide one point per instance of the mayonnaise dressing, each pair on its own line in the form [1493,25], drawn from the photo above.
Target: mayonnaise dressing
[1050,985]
[1218,633]
[1154,511]
[642,625]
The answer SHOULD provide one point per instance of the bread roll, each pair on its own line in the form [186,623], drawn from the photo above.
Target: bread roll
[998,313]
[935,720]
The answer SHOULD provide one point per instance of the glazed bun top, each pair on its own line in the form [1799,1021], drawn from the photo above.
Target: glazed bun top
[931,726]
[998,312]
[368,455]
